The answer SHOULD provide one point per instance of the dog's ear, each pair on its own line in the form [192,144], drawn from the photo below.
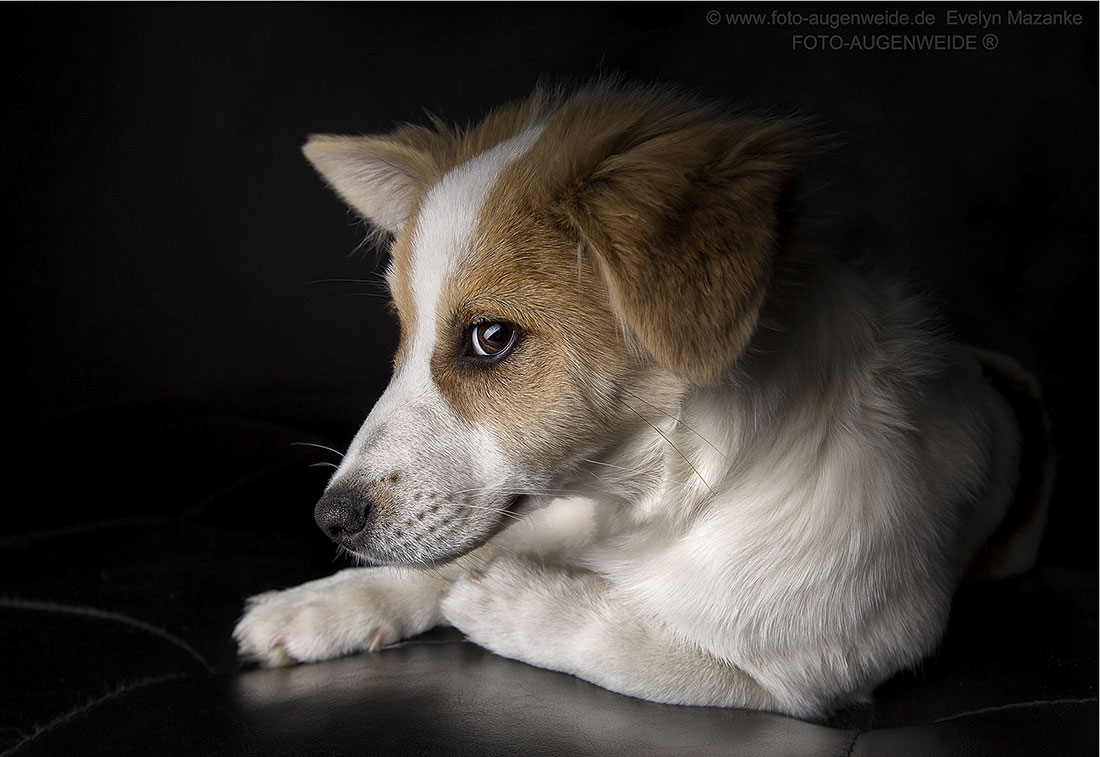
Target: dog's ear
[380,177]
[684,226]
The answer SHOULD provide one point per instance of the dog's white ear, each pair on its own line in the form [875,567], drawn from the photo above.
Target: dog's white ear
[380,177]
[683,224]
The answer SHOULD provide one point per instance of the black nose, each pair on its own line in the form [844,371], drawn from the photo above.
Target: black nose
[341,514]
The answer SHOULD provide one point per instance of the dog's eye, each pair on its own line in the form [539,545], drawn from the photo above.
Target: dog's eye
[493,339]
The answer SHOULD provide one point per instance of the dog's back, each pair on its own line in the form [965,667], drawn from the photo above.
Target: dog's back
[1014,545]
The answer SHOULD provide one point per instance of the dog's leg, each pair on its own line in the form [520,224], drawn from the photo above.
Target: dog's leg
[568,621]
[352,611]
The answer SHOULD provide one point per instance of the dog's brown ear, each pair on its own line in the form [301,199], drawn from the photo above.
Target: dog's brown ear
[683,225]
[380,177]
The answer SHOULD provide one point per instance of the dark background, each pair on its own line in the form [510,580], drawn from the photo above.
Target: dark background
[162,233]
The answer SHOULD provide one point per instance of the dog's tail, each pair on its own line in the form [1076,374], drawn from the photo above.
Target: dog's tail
[1012,547]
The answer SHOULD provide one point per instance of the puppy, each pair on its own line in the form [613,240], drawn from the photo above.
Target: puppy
[636,433]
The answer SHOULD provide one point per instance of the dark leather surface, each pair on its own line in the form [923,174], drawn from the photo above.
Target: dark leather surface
[115,640]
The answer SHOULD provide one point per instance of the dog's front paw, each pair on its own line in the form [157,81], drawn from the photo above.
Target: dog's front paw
[306,625]
[353,611]
[524,611]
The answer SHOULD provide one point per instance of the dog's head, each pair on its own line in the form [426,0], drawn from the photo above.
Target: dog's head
[562,271]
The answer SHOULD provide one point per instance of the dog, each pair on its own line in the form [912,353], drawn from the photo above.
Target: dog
[639,433]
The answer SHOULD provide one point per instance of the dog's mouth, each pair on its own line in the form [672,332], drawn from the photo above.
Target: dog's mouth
[432,541]
[515,507]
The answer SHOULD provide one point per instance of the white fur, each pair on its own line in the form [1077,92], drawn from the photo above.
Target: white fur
[785,540]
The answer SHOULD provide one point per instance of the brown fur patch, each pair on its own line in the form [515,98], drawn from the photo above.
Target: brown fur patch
[639,215]
[559,384]
[399,281]
[635,207]
[683,218]
[677,203]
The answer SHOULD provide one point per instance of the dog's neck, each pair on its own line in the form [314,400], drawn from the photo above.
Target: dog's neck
[807,363]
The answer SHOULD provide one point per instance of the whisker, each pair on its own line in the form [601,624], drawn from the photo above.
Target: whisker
[497,510]
[599,480]
[323,465]
[611,465]
[635,471]
[338,284]
[677,449]
[379,284]
[377,295]
[319,295]
[370,282]
[679,421]
[336,452]
[533,491]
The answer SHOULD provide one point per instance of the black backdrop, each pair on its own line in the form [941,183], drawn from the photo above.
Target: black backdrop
[162,233]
